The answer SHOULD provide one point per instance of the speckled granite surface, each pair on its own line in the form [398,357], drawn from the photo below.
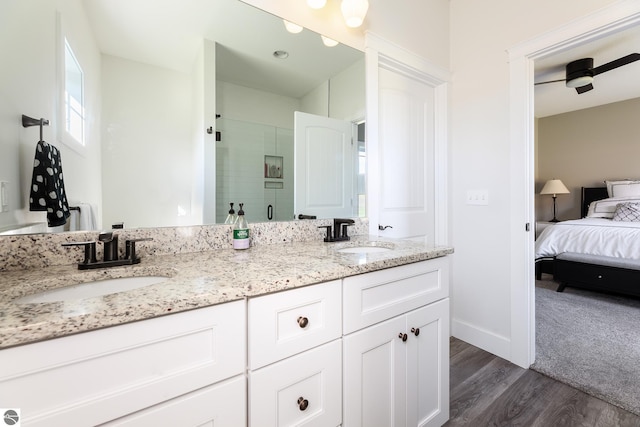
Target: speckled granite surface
[195,279]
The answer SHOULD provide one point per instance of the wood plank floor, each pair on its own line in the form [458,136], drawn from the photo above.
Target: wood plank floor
[489,391]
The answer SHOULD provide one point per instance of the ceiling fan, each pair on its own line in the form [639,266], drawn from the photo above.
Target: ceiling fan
[580,72]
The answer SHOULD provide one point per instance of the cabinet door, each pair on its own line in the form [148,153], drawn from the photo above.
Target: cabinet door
[223,404]
[428,365]
[374,376]
[303,390]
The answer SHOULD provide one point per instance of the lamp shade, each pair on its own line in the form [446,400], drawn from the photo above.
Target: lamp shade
[554,186]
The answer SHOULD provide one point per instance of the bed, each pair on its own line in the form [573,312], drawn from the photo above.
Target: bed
[601,251]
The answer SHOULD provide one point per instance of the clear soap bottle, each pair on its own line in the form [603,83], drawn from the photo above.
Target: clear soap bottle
[241,231]
[232,217]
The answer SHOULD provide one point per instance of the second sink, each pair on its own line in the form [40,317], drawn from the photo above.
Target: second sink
[92,289]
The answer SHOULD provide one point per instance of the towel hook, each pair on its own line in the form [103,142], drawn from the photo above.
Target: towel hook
[30,121]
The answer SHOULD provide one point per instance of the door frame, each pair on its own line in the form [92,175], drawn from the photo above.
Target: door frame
[617,17]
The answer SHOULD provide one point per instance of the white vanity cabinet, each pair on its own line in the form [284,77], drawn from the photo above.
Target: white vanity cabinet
[162,367]
[396,346]
[295,357]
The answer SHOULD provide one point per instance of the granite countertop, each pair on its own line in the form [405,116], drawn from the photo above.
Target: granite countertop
[196,280]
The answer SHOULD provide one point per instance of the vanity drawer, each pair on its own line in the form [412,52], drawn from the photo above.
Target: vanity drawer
[94,377]
[285,323]
[380,295]
[303,390]
[222,404]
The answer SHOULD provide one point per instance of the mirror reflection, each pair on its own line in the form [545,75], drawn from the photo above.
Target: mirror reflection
[156,75]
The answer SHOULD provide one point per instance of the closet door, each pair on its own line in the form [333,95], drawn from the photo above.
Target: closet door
[406,140]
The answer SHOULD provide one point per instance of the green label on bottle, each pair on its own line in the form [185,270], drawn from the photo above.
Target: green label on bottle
[241,233]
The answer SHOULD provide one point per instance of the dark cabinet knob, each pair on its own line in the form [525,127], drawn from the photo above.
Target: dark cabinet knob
[402,336]
[303,322]
[303,403]
[415,331]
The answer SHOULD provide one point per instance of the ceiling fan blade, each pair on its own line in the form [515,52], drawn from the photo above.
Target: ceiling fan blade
[550,81]
[632,57]
[585,88]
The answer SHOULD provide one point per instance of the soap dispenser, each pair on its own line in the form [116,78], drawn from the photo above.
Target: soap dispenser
[232,217]
[241,231]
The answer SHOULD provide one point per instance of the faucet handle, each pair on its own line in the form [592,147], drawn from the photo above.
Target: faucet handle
[130,248]
[328,236]
[89,251]
[343,230]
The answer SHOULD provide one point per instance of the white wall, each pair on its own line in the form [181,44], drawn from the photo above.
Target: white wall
[256,106]
[147,144]
[481,33]
[28,86]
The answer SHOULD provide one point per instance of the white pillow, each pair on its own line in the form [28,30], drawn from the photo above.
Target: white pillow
[606,208]
[626,188]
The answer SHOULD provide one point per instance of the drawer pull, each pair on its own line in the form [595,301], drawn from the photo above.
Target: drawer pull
[402,336]
[303,322]
[416,331]
[303,403]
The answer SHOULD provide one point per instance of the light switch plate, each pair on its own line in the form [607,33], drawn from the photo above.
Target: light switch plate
[477,197]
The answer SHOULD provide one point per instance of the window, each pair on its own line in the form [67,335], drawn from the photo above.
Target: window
[73,96]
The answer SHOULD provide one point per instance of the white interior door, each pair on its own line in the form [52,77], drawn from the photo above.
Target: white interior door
[324,167]
[406,194]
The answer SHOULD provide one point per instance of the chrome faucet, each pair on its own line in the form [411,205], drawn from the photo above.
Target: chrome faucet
[110,256]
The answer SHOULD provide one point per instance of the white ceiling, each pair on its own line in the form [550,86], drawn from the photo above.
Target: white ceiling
[616,85]
[169,34]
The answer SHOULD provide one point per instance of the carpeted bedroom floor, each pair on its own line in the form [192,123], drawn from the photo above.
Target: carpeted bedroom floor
[590,341]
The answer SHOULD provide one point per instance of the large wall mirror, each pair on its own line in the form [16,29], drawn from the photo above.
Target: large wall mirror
[189,107]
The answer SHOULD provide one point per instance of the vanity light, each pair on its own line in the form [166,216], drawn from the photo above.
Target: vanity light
[316,4]
[328,42]
[291,27]
[354,12]
[281,54]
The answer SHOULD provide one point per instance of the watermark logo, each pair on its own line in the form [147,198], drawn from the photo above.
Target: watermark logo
[10,417]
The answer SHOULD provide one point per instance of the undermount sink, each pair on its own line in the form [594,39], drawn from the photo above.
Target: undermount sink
[92,289]
[363,249]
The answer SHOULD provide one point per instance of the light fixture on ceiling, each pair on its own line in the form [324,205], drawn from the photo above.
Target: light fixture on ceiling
[580,72]
[328,42]
[291,27]
[316,4]
[580,81]
[354,12]
[281,54]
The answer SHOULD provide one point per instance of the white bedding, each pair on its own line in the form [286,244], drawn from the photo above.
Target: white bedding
[594,236]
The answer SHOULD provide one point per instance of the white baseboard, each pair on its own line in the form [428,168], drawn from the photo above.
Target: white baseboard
[481,338]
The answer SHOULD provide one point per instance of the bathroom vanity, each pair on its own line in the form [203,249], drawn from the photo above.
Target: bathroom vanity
[303,333]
